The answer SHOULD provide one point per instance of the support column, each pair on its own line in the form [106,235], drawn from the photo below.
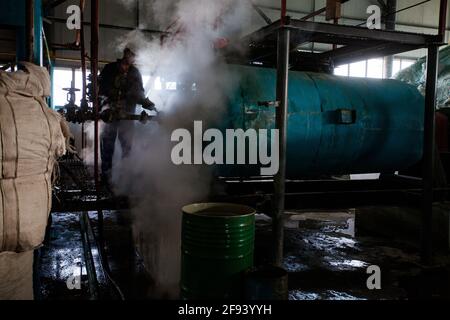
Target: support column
[428,153]
[442,19]
[281,125]
[94,73]
[391,6]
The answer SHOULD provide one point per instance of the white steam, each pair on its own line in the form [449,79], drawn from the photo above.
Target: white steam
[157,188]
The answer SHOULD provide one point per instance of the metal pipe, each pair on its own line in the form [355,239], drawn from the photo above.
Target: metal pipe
[95,28]
[442,19]
[428,153]
[89,259]
[107,26]
[281,125]
[83,103]
[29,30]
[261,13]
[313,14]
[283,12]
[335,21]
[94,73]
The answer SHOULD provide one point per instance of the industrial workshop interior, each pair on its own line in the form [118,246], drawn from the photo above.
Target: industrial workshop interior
[224,150]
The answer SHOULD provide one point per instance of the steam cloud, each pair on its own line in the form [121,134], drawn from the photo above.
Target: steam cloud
[157,188]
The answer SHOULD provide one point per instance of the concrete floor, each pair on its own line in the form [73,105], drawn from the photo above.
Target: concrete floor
[62,257]
[324,259]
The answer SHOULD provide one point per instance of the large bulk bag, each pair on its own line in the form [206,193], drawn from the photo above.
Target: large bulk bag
[16,275]
[31,140]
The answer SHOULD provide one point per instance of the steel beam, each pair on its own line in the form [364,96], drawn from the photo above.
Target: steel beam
[351,54]
[442,19]
[88,258]
[281,125]
[261,13]
[361,34]
[428,153]
[94,74]
[106,26]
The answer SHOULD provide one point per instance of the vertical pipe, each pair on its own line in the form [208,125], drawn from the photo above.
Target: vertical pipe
[428,157]
[88,258]
[442,19]
[335,21]
[281,125]
[283,12]
[83,103]
[29,26]
[94,73]
[391,18]
[83,51]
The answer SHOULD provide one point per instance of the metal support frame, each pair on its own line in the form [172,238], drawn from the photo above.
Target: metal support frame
[391,6]
[88,258]
[429,152]
[261,13]
[443,18]
[83,103]
[106,26]
[358,44]
[281,125]
[94,74]
[95,28]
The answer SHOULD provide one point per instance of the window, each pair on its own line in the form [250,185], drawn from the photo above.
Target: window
[342,70]
[372,68]
[62,78]
[358,69]
[396,67]
[375,68]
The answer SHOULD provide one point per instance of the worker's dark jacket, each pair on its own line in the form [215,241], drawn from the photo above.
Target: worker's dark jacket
[123,90]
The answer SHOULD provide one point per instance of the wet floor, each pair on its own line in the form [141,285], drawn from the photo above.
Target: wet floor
[326,261]
[61,262]
[324,258]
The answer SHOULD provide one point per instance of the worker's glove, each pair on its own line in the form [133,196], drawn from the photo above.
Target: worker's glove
[147,104]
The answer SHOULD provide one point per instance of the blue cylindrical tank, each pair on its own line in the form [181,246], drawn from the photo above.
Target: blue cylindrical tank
[336,125]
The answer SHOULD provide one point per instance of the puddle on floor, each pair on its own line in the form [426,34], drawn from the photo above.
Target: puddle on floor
[324,295]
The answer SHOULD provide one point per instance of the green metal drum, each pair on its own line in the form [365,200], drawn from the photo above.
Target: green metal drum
[217,248]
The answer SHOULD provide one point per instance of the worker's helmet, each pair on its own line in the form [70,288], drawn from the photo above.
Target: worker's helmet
[130,48]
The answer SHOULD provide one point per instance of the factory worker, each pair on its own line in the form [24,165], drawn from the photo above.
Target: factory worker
[121,84]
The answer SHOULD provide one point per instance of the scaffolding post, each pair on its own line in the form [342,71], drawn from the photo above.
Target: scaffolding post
[94,73]
[442,19]
[281,125]
[428,154]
